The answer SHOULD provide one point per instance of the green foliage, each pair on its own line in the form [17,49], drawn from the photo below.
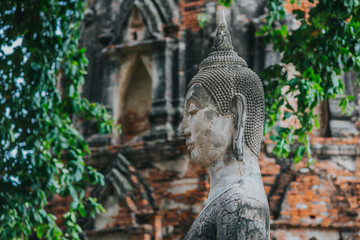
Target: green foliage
[42,154]
[202,19]
[226,3]
[323,47]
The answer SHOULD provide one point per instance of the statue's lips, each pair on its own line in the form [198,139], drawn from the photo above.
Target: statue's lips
[190,146]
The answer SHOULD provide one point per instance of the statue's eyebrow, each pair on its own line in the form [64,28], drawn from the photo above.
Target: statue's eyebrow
[193,99]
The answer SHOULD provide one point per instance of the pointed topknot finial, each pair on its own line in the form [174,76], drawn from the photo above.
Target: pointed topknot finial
[222,19]
[222,39]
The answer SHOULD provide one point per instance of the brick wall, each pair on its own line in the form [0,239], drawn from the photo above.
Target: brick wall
[189,9]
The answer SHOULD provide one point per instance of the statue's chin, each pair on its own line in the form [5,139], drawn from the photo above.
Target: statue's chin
[199,159]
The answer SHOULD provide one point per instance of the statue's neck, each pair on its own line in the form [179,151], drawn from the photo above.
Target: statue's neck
[227,172]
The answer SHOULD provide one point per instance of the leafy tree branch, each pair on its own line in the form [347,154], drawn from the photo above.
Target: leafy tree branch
[42,153]
[324,46]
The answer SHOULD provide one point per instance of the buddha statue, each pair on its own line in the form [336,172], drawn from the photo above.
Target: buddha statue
[223,125]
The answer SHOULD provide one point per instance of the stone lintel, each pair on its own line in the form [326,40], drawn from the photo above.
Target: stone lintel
[115,50]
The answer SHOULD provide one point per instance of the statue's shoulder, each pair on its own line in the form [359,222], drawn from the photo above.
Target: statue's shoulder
[240,216]
[237,199]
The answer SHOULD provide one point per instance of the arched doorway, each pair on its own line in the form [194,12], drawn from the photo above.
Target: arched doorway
[137,102]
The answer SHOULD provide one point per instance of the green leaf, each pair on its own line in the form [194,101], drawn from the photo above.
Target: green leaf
[275,138]
[316,122]
[293,82]
[226,3]
[82,210]
[284,31]
[351,98]
[202,19]
[40,230]
[73,192]
[299,153]
[71,90]
[287,115]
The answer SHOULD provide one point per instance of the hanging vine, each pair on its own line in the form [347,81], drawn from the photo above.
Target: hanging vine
[40,42]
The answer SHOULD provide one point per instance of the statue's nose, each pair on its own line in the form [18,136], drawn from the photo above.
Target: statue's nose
[183,129]
[185,133]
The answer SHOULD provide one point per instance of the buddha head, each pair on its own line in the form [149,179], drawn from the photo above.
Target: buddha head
[224,106]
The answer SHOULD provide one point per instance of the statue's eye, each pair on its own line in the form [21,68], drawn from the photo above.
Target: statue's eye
[193,109]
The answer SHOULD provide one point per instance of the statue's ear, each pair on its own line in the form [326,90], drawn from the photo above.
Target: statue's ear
[239,112]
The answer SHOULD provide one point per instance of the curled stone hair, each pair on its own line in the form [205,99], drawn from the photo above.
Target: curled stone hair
[223,74]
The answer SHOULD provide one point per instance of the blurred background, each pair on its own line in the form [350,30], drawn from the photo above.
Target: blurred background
[141,56]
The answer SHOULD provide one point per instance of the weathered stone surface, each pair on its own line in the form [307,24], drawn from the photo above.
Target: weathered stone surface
[341,128]
[232,215]
[329,150]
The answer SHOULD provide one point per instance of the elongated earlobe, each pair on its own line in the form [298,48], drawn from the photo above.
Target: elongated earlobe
[239,112]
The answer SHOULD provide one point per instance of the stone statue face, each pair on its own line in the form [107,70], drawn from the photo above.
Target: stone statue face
[208,133]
